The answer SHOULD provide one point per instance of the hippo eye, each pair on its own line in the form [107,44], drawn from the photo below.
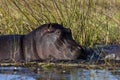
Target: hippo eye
[58,32]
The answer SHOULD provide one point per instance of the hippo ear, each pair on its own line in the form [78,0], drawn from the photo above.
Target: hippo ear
[49,29]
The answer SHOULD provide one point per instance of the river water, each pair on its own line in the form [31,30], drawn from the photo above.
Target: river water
[24,73]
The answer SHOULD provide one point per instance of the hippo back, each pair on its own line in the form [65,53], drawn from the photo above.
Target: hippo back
[10,48]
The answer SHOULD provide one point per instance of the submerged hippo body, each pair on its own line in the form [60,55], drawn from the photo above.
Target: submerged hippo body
[46,42]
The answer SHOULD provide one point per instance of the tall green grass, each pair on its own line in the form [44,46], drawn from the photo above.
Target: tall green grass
[92,21]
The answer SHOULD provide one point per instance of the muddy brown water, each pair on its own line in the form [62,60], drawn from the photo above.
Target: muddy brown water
[57,73]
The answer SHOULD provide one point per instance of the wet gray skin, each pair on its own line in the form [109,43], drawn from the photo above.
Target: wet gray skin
[49,41]
[52,41]
[10,48]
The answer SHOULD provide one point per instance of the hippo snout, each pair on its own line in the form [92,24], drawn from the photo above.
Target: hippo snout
[79,53]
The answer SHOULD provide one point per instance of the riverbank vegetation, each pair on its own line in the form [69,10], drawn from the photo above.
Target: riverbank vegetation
[91,21]
[113,65]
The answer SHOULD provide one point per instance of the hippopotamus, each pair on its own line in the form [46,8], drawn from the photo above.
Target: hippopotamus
[103,52]
[48,41]
[109,51]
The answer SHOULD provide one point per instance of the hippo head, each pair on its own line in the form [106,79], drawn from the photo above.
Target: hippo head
[55,41]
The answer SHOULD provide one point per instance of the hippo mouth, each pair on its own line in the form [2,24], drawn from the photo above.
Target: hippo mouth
[71,50]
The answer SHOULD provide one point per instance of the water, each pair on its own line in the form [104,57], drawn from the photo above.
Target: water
[22,73]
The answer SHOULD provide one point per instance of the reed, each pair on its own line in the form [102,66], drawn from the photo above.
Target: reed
[92,21]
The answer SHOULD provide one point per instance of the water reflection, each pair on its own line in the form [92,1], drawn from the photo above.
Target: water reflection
[22,73]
